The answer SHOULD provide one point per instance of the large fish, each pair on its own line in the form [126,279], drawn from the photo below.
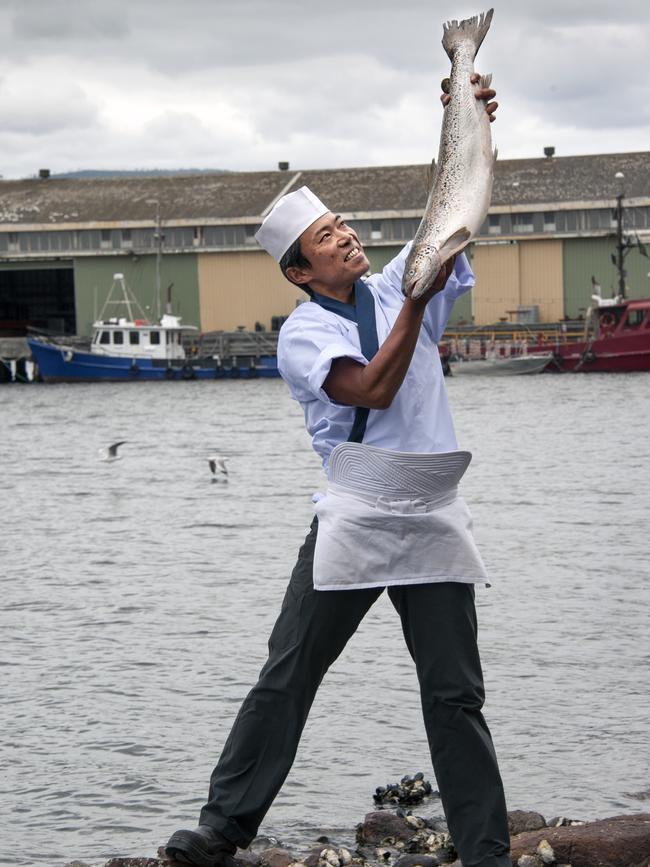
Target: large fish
[462,183]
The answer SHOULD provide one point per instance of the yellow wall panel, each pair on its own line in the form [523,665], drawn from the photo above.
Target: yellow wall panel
[243,288]
[496,267]
[508,276]
[540,278]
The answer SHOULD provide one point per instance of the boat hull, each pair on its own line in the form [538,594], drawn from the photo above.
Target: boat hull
[66,364]
[607,355]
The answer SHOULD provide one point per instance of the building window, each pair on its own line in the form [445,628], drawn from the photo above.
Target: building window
[375,230]
[522,223]
[549,221]
[179,237]
[143,238]
[154,338]
[134,338]
[494,224]
[89,239]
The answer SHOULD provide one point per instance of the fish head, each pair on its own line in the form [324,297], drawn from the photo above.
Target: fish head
[422,267]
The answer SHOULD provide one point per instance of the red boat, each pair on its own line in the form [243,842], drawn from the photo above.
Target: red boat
[616,338]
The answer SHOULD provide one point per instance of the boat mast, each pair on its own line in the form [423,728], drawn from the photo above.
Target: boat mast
[622,245]
[158,236]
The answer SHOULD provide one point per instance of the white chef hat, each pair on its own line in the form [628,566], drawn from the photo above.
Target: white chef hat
[289,218]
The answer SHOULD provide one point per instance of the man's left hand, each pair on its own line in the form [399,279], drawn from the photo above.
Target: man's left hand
[485,93]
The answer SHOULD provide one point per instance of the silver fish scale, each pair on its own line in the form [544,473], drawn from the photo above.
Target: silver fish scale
[462,186]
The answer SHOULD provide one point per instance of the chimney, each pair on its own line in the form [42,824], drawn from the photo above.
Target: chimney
[549,152]
[284,167]
[43,174]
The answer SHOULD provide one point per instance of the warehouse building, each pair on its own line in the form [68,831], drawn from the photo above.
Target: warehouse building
[550,229]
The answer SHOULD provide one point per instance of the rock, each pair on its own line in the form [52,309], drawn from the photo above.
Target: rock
[545,852]
[275,857]
[524,820]
[247,858]
[137,862]
[620,841]
[422,860]
[382,824]
[527,861]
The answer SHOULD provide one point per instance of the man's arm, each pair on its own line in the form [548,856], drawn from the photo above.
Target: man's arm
[374,385]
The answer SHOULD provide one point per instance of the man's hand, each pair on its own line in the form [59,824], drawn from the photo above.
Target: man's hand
[438,284]
[485,93]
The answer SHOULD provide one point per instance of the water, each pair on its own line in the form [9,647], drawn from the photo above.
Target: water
[137,598]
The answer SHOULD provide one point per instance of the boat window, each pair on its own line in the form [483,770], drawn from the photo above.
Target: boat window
[105,337]
[634,318]
[118,337]
[154,337]
[134,338]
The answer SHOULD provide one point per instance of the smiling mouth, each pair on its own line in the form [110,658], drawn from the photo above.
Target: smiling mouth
[353,252]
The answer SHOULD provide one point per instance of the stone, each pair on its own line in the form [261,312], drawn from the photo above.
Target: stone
[422,860]
[619,841]
[382,824]
[524,820]
[137,862]
[275,857]
[527,861]
[545,852]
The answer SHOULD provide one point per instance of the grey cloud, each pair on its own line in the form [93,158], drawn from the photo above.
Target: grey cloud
[34,112]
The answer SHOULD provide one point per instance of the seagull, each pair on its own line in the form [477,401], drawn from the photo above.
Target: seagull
[217,465]
[110,454]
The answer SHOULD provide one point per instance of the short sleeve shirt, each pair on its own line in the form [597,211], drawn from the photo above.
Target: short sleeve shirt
[418,419]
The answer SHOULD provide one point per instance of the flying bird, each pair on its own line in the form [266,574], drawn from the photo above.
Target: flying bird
[110,454]
[217,465]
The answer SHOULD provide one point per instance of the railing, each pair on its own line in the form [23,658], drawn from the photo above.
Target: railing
[232,344]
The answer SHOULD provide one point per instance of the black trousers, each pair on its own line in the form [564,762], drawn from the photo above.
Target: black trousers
[439,625]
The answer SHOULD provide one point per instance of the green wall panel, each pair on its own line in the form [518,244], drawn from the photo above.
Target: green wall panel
[584,257]
[381,256]
[94,276]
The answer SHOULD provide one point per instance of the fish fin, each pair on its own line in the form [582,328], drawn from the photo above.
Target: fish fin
[496,153]
[485,81]
[454,244]
[473,29]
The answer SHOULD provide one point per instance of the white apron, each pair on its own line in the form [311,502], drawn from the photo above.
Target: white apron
[393,518]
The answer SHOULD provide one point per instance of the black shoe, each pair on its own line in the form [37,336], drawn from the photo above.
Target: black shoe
[202,847]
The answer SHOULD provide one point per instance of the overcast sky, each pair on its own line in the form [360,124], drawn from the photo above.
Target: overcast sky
[245,83]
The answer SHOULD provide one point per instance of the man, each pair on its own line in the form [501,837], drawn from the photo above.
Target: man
[363,363]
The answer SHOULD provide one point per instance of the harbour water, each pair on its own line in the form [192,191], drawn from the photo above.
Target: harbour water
[137,598]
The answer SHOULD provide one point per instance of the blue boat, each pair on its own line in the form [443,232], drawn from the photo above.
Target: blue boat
[60,363]
[128,349]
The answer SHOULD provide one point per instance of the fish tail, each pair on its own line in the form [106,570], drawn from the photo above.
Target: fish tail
[471,29]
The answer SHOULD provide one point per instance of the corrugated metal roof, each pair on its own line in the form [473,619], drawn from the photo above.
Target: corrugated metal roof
[239,195]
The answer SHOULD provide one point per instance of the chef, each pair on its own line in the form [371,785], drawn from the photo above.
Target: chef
[363,363]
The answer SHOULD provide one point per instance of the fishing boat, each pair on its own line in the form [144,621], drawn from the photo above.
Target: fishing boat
[130,348]
[616,338]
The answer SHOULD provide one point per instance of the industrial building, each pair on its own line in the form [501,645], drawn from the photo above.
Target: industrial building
[550,229]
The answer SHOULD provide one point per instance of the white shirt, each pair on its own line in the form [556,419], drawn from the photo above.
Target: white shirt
[418,419]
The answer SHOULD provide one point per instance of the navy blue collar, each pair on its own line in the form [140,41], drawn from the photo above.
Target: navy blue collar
[363,313]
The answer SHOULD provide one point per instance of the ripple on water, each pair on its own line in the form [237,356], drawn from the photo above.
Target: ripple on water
[138,598]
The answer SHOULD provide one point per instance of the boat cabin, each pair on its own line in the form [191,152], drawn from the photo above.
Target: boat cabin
[140,339]
[622,318]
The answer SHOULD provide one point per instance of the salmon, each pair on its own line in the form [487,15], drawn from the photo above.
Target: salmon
[460,193]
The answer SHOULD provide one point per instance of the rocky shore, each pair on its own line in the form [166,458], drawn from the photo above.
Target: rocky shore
[388,838]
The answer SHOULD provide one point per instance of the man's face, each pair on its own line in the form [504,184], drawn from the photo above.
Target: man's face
[335,253]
